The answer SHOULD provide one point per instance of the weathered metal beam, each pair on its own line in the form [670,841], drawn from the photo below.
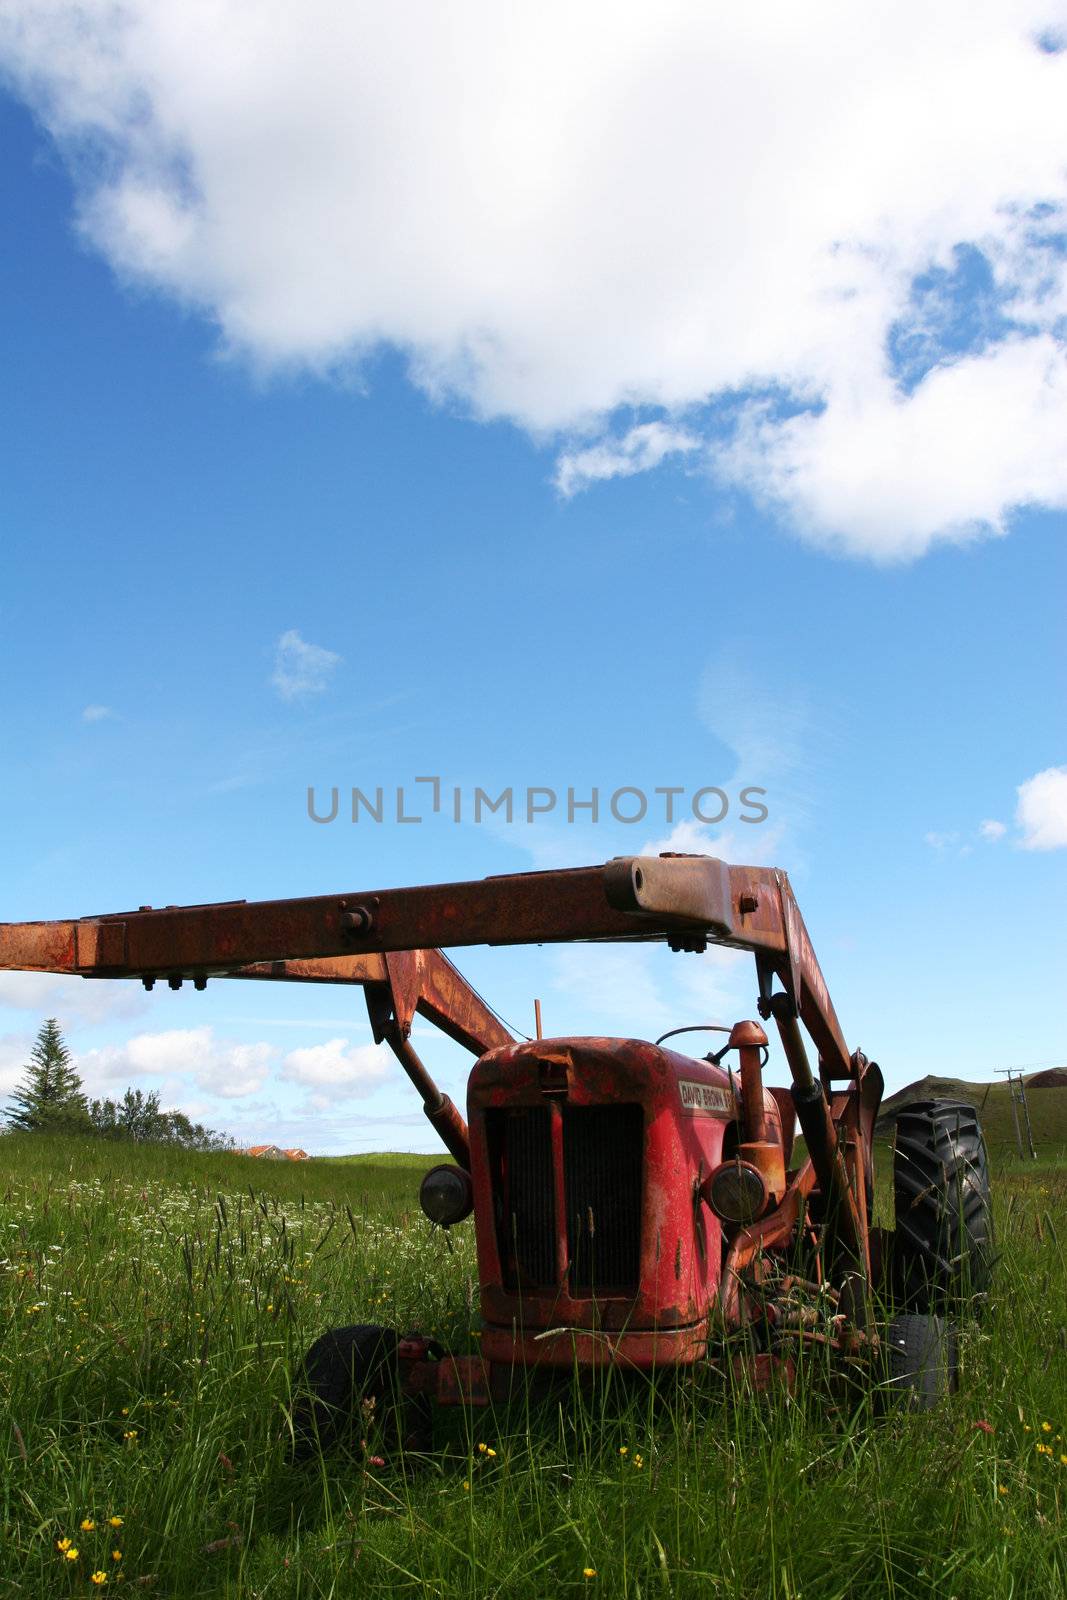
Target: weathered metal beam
[626,899]
[685,900]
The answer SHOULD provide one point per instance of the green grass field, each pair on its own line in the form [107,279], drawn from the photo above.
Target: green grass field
[154,1305]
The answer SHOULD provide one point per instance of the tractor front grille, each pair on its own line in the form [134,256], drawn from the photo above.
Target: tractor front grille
[602,1160]
[603,1150]
[525,1196]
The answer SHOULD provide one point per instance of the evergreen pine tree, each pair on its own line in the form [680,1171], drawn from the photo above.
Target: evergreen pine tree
[50,1098]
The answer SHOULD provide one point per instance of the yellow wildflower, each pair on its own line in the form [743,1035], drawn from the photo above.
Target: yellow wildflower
[63,1544]
[114,1522]
[466,1485]
[588,1572]
[130,1435]
[1046,1427]
[116,1555]
[624,1450]
[88,1525]
[99,1578]
[1002,1488]
[71,1553]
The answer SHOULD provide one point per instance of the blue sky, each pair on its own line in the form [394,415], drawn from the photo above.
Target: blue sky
[679,578]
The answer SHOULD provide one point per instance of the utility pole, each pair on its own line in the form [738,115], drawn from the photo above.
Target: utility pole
[1019,1095]
[1026,1116]
[1015,1114]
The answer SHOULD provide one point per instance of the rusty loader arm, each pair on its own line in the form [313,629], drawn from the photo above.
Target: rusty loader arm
[387,942]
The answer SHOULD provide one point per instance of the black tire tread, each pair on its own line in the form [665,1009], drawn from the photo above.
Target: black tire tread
[943,1250]
[922,1360]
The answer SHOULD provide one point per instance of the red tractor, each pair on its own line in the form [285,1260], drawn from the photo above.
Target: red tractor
[634,1206]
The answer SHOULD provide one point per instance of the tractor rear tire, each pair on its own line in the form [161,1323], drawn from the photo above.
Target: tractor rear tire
[922,1360]
[347,1387]
[943,1246]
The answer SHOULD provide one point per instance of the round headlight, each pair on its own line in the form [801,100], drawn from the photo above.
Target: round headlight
[736,1192]
[446,1194]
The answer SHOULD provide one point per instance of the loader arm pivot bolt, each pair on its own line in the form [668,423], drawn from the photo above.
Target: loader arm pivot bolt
[358,920]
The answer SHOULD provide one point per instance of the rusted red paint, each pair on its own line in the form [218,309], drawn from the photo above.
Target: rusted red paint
[764,1371]
[462,1381]
[749,1039]
[39,946]
[575,1347]
[680,1243]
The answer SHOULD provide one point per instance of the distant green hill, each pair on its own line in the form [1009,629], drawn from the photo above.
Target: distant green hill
[1047,1102]
[386,1184]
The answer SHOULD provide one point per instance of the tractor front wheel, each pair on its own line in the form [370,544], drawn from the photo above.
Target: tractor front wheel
[348,1387]
[922,1360]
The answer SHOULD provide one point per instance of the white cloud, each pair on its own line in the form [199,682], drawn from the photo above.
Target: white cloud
[342,1068]
[941,841]
[301,669]
[991,830]
[14,1055]
[575,216]
[766,724]
[754,844]
[1042,810]
[237,1070]
[71,1000]
[229,1071]
[175,1050]
[884,474]
[97,714]
[643,447]
[781,753]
